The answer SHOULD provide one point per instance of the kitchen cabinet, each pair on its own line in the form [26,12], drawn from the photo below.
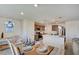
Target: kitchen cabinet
[53,40]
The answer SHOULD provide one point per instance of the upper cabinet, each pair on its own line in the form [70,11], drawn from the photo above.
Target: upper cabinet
[54,27]
[58,30]
[39,27]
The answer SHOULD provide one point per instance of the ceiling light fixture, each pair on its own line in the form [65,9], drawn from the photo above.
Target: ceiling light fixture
[35,5]
[22,13]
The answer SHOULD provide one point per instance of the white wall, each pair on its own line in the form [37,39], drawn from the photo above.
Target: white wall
[20,27]
[72,29]
[17,27]
[28,27]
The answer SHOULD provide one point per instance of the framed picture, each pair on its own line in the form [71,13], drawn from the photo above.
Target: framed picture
[9,26]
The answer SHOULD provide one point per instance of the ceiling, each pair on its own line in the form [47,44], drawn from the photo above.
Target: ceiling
[45,12]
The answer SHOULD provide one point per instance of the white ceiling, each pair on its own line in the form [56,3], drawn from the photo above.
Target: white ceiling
[42,12]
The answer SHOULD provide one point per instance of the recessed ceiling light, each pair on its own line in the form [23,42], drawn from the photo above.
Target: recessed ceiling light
[22,13]
[35,5]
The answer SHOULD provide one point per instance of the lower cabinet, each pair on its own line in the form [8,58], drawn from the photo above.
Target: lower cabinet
[75,48]
[52,40]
